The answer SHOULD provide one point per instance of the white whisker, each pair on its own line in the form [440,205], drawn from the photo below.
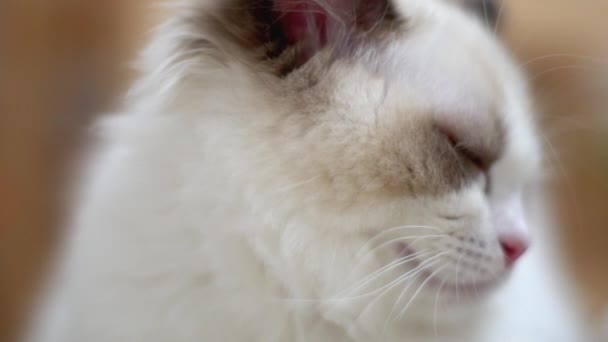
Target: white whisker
[565,55]
[499,17]
[399,239]
[390,230]
[296,185]
[400,278]
[404,291]
[569,184]
[474,284]
[457,281]
[418,270]
[387,268]
[436,304]
[485,12]
[423,266]
[420,289]
[563,67]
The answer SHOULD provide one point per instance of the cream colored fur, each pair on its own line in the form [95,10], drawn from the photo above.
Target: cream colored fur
[226,204]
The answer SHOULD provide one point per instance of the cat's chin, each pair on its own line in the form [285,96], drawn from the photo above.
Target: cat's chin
[462,293]
[452,290]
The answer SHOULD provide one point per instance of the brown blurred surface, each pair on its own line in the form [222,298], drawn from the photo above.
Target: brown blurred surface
[62,62]
[564,45]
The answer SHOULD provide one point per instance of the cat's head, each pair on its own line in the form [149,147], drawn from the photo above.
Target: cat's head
[387,143]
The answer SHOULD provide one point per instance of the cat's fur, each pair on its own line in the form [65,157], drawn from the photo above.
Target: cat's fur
[258,177]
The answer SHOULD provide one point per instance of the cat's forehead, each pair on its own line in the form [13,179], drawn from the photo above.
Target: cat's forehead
[374,93]
[465,83]
[460,81]
[445,54]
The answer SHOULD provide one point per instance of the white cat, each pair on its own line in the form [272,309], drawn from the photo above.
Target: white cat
[332,170]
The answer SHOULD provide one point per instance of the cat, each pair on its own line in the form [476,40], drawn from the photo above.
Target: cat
[317,170]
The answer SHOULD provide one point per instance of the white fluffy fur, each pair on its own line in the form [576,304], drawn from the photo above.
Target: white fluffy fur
[192,226]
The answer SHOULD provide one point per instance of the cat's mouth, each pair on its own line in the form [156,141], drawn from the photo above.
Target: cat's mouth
[458,292]
[454,288]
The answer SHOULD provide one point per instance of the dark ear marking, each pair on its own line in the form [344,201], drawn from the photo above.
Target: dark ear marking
[316,23]
[287,33]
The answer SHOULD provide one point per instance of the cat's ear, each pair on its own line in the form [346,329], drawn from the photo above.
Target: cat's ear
[298,29]
[318,22]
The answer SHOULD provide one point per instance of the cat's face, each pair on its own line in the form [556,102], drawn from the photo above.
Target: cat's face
[391,156]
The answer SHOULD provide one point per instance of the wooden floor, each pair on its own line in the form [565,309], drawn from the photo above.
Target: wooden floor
[64,61]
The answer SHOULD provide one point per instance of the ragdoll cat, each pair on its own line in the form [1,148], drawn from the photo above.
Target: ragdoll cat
[329,170]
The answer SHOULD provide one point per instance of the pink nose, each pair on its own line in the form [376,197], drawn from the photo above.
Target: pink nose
[513,246]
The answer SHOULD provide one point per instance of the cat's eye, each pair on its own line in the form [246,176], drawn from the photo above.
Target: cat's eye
[472,156]
[479,163]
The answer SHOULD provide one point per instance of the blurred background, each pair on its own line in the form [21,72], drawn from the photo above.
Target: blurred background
[63,62]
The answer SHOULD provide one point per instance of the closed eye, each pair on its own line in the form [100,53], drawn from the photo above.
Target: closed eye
[467,153]
[479,162]
[471,156]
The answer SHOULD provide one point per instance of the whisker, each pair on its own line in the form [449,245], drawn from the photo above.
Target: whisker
[436,304]
[420,289]
[499,17]
[387,268]
[477,296]
[563,67]
[384,289]
[564,55]
[400,239]
[362,258]
[393,265]
[421,268]
[562,169]
[376,274]
[389,318]
[485,12]
[393,229]
[404,291]
[297,185]
[457,281]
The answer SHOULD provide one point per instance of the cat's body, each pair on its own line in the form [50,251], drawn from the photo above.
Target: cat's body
[240,200]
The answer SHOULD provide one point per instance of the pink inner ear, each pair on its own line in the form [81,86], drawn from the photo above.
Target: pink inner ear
[303,21]
[312,24]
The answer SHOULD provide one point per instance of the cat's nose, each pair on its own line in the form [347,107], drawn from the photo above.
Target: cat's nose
[513,246]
